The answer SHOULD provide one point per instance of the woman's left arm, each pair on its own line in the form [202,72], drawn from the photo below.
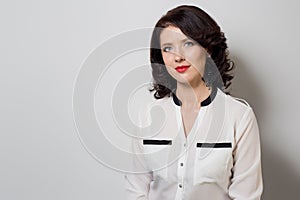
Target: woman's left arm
[246,182]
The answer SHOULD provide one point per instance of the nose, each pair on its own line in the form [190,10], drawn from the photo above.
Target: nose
[179,58]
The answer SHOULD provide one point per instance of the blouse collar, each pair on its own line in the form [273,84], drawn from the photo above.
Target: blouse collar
[205,102]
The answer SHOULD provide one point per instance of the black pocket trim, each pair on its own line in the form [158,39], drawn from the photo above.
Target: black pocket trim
[157,142]
[214,145]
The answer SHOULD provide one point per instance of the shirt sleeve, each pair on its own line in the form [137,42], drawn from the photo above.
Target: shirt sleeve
[137,182]
[246,182]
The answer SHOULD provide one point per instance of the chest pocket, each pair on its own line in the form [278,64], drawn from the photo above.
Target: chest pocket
[156,154]
[212,162]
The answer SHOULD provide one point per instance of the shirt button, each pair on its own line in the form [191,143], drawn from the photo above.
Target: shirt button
[181,164]
[184,144]
[180,185]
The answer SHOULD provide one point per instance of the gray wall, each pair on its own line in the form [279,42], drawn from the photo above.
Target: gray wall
[44,43]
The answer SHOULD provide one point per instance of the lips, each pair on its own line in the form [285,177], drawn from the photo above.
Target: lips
[182,68]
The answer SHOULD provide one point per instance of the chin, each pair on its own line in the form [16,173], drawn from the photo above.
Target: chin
[187,79]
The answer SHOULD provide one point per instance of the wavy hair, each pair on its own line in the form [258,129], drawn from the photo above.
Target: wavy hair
[198,25]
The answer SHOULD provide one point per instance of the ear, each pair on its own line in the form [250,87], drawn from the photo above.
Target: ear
[208,53]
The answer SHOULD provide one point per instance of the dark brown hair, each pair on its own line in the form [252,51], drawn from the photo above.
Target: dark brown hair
[199,26]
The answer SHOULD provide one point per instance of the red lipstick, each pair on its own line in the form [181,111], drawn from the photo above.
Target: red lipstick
[182,68]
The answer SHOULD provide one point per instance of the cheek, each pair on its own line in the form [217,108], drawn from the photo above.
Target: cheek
[196,58]
[167,59]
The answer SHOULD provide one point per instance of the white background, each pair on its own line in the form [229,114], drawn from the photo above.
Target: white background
[43,44]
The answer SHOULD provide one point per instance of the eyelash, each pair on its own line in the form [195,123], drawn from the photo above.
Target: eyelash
[165,49]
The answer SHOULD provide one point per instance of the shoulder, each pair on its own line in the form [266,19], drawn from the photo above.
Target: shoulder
[236,107]
[239,113]
[237,102]
[142,105]
[234,102]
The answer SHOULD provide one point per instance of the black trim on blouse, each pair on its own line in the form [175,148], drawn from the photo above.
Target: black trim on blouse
[157,142]
[205,102]
[214,145]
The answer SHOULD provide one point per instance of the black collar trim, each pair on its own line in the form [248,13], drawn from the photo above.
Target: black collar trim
[205,102]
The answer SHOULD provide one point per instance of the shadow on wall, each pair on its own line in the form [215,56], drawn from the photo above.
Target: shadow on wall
[280,180]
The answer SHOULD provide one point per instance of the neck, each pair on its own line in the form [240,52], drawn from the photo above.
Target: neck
[191,96]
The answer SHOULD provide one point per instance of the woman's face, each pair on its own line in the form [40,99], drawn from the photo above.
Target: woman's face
[184,58]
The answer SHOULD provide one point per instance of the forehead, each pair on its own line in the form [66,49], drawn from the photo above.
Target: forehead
[171,33]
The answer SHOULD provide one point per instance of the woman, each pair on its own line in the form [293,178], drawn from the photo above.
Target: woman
[208,146]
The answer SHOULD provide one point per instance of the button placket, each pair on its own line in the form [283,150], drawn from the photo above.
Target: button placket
[181,168]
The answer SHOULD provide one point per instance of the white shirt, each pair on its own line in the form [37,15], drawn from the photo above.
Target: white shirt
[219,159]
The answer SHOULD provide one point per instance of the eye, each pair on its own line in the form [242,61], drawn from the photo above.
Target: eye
[188,44]
[167,49]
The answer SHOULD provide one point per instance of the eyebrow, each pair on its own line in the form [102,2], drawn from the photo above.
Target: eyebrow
[169,43]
